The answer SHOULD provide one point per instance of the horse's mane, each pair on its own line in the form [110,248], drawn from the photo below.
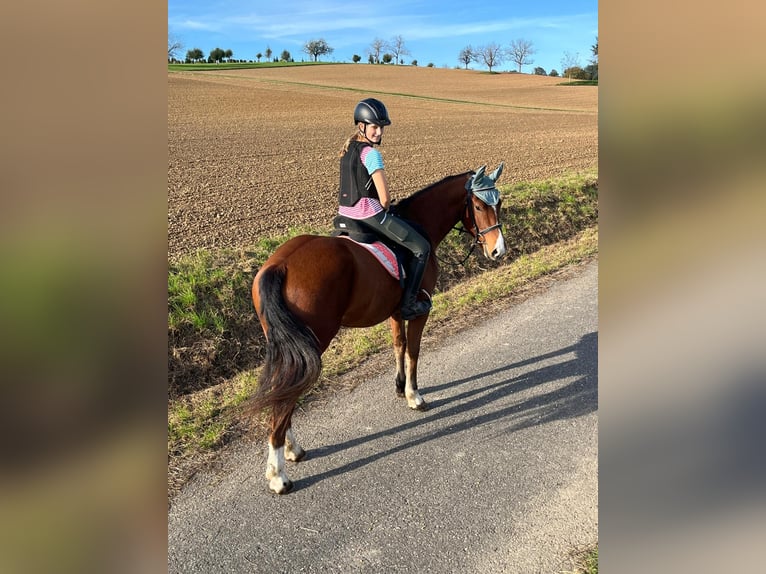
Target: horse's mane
[405,203]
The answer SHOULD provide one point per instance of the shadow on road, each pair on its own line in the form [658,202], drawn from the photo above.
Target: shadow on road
[576,398]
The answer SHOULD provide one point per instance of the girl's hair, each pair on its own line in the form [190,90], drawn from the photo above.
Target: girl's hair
[355,136]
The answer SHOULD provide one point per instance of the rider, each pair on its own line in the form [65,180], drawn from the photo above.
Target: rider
[364,196]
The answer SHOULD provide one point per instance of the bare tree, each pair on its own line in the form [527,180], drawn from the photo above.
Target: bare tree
[174,46]
[570,61]
[466,56]
[491,55]
[520,51]
[376,48]
[397,47]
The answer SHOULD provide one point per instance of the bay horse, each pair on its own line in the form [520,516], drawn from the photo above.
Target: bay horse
[312,285]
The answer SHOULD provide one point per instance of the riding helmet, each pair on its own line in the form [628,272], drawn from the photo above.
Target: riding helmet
[371,111]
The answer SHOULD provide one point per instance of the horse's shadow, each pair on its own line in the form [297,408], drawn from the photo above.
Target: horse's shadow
[578,397]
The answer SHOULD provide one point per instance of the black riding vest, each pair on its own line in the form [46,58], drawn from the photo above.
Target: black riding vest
[355,182]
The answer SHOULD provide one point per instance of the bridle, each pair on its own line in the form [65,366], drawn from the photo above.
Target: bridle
[479,233]
[475,232]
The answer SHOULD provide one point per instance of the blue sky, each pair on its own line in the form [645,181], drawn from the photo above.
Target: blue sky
[433,31]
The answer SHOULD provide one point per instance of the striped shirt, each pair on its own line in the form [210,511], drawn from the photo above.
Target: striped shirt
[367,206]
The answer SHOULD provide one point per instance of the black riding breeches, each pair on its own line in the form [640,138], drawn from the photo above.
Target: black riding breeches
[401,232]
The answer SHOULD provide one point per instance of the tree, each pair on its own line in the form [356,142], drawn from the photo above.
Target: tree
[593,68]
[268,52]
[387,58]
[195,55]
[540,71]
[375,49]
[228,55]
[466,56]
[397,47]
[216,55]
[491,55]
[259,56]
[316,48]
[569,62]
[174,46]
[285,56]
[356,58]
[576,73]
[554,73]
[520,52]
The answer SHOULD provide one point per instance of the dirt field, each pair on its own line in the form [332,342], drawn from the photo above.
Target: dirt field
[255,152]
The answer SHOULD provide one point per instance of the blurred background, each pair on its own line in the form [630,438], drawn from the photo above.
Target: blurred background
[83,303]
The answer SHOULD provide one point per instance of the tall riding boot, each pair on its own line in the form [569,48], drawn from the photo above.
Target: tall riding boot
[411,308]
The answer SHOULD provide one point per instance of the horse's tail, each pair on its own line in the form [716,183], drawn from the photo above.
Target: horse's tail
[293,360]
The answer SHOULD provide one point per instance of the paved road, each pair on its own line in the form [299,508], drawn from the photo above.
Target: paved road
[500,475]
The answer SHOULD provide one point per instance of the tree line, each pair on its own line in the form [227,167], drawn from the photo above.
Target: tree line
[520,51]
[491,55]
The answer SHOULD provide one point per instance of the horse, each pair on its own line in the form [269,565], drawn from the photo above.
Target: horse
[313,285]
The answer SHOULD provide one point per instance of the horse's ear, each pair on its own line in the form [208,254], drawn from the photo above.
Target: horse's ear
[495,174]
[479,173]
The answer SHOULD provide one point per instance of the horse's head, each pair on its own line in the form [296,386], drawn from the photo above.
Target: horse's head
[482,214]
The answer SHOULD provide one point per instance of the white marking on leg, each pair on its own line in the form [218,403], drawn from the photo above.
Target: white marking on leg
[293,450]
[414,400]
[275,470]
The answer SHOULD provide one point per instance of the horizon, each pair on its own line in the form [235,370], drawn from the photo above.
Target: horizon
[432,33]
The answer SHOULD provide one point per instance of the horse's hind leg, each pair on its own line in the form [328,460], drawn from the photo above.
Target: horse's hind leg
[293,450]
[275,465]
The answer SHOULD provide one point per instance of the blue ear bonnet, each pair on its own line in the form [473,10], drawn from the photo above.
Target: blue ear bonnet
[483,186]
[489,196]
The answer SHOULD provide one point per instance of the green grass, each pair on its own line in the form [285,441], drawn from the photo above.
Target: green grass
[585,560]
[200,291]
[580,83]
[238,65]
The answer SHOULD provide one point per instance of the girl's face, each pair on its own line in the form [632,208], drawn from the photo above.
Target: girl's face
[371,132]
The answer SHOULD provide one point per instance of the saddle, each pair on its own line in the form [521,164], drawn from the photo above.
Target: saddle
[359,232]
[391,255]
[355,230]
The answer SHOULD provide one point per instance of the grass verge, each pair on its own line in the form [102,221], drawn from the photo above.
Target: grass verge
[585,560]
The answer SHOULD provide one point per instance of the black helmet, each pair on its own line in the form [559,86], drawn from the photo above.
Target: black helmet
[371,111]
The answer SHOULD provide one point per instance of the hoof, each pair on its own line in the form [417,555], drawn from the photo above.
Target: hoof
[283,488]
[399,393]
[297,455]
[421,407]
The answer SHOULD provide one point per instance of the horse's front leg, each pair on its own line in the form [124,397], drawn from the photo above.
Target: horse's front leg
[400,346]
[414,334]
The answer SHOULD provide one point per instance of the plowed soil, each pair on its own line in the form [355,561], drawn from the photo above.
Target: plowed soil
[253,153]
